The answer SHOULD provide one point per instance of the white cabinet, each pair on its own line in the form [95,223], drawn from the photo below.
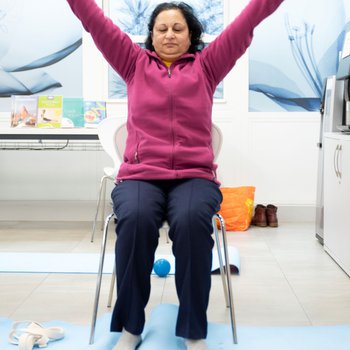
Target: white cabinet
[337,198]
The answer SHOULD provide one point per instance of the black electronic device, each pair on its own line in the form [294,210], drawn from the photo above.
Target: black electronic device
[343,74]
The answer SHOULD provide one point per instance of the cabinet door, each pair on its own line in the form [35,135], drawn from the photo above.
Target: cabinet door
[337,201]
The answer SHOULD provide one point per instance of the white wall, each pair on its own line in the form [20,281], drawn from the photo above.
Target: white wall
[276,152]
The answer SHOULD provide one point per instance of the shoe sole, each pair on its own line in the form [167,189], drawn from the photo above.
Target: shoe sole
[260,225]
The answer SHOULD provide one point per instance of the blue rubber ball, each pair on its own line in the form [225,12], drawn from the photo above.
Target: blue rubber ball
[161,267]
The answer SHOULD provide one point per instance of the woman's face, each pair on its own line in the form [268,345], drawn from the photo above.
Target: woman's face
[170,36]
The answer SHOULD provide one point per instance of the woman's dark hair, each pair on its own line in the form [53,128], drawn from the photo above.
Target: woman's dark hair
[194,25]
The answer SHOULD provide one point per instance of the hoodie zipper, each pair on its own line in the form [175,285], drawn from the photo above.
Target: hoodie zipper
[171,107]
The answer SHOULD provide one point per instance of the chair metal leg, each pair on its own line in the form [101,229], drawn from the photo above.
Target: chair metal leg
[221,263]
[103,202]
[99,277]
[228,277]
[167,235]
[102,189]
[111,288]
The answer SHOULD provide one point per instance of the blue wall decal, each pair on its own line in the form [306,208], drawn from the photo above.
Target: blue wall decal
[40,49]
[292,53]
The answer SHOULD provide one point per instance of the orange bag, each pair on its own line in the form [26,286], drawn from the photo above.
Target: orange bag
[237,207]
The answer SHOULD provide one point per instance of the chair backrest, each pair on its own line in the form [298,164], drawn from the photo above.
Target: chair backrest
[113,138]
[121,135]
[216,140]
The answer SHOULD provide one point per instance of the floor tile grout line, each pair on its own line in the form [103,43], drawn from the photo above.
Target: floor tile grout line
[42,281]
[289,283]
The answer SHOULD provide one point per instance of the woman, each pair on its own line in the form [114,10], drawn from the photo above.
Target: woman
[168,171]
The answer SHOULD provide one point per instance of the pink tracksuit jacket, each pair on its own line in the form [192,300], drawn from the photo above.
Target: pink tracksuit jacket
[170,109]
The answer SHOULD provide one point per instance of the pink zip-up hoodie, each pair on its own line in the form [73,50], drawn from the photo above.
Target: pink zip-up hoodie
[170,109]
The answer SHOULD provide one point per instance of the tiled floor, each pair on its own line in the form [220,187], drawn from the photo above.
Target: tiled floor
[286,278]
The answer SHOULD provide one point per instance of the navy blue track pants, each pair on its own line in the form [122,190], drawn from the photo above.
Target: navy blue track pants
[141,208]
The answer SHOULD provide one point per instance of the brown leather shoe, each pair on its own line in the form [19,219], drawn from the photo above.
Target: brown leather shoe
[271,215]
[259,218]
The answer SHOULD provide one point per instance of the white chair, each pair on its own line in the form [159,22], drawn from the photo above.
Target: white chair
[118,150]
[113,140]
[112,137]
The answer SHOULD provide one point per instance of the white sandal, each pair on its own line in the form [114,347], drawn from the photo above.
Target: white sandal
[26,334]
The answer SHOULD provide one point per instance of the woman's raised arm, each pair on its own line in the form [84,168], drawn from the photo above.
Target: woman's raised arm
[221,55]
[117,48]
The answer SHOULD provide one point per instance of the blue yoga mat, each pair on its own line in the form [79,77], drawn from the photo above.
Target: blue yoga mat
[83,262]
[160,328]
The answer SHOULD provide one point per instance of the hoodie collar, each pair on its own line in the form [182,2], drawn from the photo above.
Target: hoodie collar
[185,56]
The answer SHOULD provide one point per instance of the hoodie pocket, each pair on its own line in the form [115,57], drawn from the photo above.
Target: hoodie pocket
[136,158]
[132,154]
[136,155]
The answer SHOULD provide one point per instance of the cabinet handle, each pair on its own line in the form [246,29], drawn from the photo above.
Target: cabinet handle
[339,170]
[335,160]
